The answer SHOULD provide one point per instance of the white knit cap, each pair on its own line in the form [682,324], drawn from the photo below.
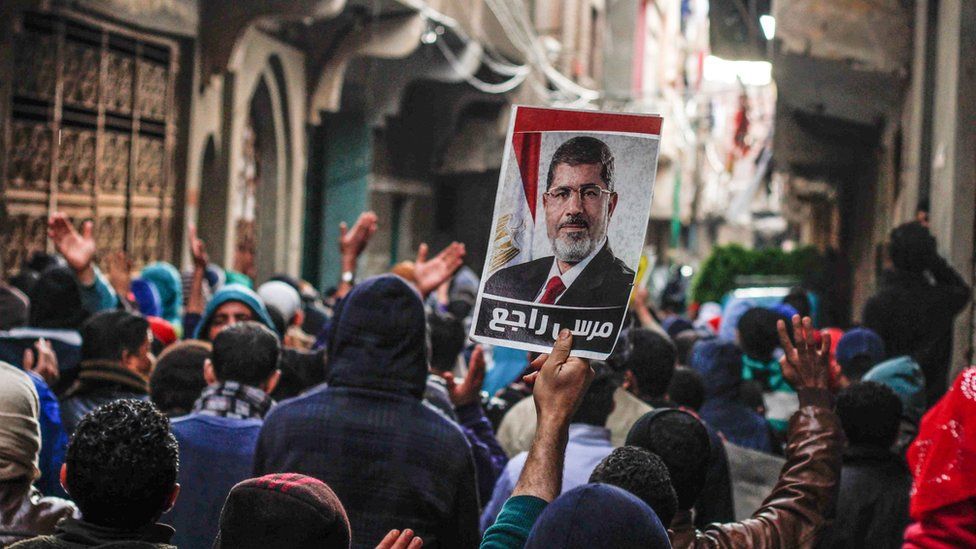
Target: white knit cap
[282,296]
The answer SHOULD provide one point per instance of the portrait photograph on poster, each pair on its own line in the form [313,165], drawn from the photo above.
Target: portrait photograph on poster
[568,229]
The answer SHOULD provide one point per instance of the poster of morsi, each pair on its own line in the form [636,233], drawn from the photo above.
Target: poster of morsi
[568,229]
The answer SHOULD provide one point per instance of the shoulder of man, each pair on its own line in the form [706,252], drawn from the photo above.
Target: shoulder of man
[517,273]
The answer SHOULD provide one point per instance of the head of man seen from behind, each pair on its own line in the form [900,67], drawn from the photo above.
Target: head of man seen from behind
[648,362]
[118,337]
[870,413]
[121,465]
[758,337]
[643,474]
[597,404]
[447,339]
[579,198]
[858,351]
[247,353]
[686,388]
[177,380]
[911,247]
[682,443]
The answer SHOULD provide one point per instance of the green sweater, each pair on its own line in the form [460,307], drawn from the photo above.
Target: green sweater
[514,523]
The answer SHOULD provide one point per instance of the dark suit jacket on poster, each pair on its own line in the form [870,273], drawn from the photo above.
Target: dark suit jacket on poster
[605,282]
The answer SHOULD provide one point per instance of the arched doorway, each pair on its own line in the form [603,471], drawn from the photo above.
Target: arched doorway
[255,189]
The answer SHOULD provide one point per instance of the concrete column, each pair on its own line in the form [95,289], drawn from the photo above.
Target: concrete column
[953,175]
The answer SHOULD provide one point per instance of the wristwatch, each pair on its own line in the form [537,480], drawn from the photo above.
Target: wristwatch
[348,277]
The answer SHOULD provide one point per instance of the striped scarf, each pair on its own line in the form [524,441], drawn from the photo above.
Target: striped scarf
[234,400]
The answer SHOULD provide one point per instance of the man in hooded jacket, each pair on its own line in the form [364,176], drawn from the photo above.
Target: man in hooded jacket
[235,303]
[392,460]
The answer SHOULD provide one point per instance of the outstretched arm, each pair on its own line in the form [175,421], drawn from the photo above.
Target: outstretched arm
[794,513]
[559,386]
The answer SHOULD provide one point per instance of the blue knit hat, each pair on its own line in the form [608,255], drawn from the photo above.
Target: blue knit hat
[598,515]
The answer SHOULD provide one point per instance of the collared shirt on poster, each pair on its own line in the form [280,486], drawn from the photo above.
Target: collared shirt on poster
[572,273]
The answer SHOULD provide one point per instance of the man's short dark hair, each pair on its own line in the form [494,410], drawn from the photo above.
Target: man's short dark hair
[651,357]
[643,474]
[912,247]
[687,388]
[580,151]
[107,334]
[447,339]
[597,403]
[246,352]
[758,337]
[683,342]
[681,441]
[177,380]
[798,299]
[121,464]
[870,413]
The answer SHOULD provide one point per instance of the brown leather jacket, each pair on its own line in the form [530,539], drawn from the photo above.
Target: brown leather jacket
[25,513]
[795,512]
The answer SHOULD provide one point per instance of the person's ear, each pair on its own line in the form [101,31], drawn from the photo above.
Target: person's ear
[613,204]
[630,383]
[171,498]
[299,318]
[63,478]
[209,374]
[131,361]
[272,382]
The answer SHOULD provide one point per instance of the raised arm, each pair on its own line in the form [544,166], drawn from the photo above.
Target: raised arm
[794,513]
[559,386]
[352,242]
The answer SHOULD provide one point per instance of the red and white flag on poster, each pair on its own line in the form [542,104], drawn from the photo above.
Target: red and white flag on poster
[514,228]
[567,256]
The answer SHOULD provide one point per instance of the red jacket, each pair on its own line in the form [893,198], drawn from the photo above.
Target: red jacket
[951,526]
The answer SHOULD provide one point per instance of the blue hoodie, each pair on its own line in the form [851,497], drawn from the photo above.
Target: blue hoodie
[232,292]
[906,379]
[720,365]
[170,287]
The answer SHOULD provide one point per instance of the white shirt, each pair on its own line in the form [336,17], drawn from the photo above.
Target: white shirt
[571,274]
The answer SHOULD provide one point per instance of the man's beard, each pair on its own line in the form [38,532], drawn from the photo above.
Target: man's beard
[574,247]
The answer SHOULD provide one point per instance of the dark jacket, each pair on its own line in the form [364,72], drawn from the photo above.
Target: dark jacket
[715,504]
[215,454]
[794,513]
[394,462]
[99,382]
[914,316]
[77,534]
[25,513]
[606,281]
[872,504]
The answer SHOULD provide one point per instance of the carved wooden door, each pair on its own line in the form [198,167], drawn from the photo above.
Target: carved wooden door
[89,131]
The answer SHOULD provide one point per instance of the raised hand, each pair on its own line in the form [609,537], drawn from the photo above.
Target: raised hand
[396,539]
[198,249]
[469,390]
[44,363]
[78,249]
[353,241]
[804,365]
[120,272]
[431,274]
[560,381]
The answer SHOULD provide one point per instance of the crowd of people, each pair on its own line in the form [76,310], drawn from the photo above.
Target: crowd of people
[196,409]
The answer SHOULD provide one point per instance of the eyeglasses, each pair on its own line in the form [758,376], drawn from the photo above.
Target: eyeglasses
[588,193]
